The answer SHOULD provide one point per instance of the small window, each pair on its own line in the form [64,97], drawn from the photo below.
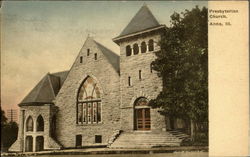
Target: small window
[151,68]
[136,49]
[78,140]
[143,47]
[81,59]
[29,124]
[129,81]
[151,45]
[40,123]
[139,74]
[98,138]
[128,50]
[88,51]
[95,56]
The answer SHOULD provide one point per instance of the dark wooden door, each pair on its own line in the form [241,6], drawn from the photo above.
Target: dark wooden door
[142,119]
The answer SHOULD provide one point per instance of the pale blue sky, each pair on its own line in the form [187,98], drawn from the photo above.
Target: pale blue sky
[42,36]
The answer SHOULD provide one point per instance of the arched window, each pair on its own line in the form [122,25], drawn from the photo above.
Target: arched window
[151,45]
[28,144]
[136,49]
[128,50]
[143,47]
[29,124]
[39,143]
[89,102]
[39,123]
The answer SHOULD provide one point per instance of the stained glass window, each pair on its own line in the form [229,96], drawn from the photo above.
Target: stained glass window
[89,102]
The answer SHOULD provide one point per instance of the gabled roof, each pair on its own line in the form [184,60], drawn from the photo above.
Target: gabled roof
[112,57]
[144,19]
[46,89]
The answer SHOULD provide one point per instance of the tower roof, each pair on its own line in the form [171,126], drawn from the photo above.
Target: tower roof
[144,19]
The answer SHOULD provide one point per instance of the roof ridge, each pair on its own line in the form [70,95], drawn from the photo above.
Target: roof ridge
[43,80]
[49,75]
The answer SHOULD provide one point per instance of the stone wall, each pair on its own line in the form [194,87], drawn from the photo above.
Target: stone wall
[108,80]
[149,86]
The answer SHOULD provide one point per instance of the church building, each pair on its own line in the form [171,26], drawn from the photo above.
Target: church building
[102,101]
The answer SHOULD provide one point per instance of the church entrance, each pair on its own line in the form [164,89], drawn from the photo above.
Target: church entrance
[142,114]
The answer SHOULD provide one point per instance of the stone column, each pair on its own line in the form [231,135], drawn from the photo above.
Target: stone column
[34,143]
[21,127]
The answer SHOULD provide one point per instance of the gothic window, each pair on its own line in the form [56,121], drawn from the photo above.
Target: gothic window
[136,49]
[143,47]
[29,124]
[128,50]
[40,123]
[39,143]
[28,144]
[89,102]
[151,45]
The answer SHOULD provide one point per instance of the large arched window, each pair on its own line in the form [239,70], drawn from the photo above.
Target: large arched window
[143,47]
[136,49]
[151,45]
[29,124]
[89,102]
[128,50]
[39,123]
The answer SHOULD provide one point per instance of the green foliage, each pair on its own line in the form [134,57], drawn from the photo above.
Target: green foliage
[200,139]
[3,118]
[183,66]
[8,131]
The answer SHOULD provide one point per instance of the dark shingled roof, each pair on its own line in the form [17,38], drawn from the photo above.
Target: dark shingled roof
[112,57]
[143,20]
[46,90]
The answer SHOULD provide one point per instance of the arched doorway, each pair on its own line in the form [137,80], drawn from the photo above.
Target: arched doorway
[142,119]
[29,144]
[39,143]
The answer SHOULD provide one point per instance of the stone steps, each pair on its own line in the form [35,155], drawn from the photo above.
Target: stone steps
[145,140]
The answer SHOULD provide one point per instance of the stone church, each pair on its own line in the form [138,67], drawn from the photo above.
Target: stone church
[102,100]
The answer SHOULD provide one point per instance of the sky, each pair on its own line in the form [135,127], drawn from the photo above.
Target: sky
[38,37]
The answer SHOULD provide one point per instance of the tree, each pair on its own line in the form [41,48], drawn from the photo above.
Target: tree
[8,132]
[183,66]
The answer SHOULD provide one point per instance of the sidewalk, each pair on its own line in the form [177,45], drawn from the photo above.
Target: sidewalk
[92,151]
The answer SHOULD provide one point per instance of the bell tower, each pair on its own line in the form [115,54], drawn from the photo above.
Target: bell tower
[138,45]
